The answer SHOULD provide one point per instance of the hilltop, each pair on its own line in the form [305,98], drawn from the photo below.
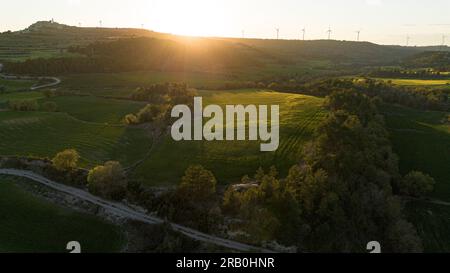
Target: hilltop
[71,45]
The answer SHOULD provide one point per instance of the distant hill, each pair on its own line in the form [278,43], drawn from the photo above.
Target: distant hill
[126,49]
[438,60]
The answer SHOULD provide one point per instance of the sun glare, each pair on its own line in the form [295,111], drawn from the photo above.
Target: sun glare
[192,18]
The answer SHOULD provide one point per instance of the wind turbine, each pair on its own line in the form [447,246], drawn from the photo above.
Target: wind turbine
[407,40]
[358,33]
[100,23]
[278,33]
[304,32]
[329,31]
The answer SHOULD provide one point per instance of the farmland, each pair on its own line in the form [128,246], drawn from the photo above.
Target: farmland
[230,160]
[94,109]
[95,95]
[422,140]
[15,85]
[418,82]
[31,224]
[122,84]
[44,134]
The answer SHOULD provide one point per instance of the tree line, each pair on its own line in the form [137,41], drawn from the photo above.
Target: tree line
[139,54]
[160,98]
[414,97]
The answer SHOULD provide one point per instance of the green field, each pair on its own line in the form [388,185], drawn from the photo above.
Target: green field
[31,95]
[422,141]
[44,134]
[32,224]
[122,84]
[417,82]
[15,85]
[94,109]
[230,160]
[433,225]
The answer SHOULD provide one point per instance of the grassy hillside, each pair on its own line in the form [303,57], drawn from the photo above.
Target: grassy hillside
[432,222]
[45,134]
[176,53]
[31,224]
[94,109]
[122,84]
[230,160]
[422,141]
[15,85]
[45,40]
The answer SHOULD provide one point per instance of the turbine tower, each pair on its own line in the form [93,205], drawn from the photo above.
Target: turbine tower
[408,39]
[304,32]
[329,31]
[100,23]
[358,33]
[443,41]
[278,33]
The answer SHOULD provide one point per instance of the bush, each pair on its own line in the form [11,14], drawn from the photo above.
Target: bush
[23,105]
[417,184]
[66,160]
[108,181]
[131,119]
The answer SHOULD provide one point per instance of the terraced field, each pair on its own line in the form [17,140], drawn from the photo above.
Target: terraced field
[44,134]
[32,224]
[230,160]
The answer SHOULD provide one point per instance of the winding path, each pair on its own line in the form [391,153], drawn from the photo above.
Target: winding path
[55,80]
[127,212]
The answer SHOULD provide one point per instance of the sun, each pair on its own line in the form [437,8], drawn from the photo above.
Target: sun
[192,18]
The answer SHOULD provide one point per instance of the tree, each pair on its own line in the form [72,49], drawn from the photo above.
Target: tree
[108,181]
[131,119]
[417,184]
[198,184]
[66,160]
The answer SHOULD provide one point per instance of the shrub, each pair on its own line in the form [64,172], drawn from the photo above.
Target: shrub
[23,105]
[108,181]
[417,184]
[66,160]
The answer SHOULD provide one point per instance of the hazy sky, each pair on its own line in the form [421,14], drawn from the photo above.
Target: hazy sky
[381,21]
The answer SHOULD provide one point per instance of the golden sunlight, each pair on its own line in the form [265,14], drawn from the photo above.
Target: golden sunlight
[193,18]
